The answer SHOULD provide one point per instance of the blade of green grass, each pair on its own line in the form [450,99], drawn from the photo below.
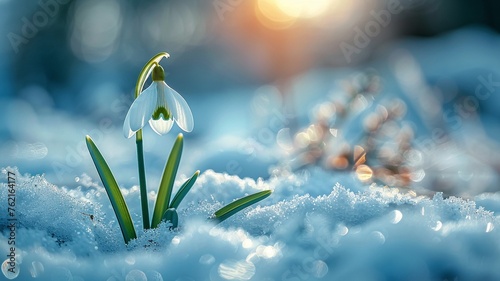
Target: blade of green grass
[167,182]
[113,191]
[184,190]
[238,205]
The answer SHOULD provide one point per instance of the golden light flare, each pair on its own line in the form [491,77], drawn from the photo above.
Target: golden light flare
[303,8]
[359,155]
[270,15]
[281,14]
[339,162]
[364,173]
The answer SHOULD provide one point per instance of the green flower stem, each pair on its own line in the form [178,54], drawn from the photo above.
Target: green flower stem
[142,180]
[143,76]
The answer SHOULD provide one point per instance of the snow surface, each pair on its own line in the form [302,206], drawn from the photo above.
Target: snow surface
[316,225]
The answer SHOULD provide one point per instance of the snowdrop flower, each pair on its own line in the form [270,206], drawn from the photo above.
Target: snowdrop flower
[161,106]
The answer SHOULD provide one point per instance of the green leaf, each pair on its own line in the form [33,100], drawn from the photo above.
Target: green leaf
[184,190]
[113,191]
[167,182]
[238,205]
[172,217]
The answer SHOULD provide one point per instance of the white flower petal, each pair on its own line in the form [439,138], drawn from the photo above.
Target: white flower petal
[142,108]
[161,126]
[127,132]
[180,109]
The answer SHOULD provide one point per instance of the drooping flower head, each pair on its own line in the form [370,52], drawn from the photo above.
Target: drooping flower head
[161,106]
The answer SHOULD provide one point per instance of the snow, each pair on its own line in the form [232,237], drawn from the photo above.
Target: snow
[331,232]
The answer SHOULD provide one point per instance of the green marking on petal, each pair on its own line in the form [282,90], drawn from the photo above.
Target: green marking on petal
[161,112]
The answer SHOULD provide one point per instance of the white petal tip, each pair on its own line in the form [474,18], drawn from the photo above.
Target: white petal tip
[127,132]
[186,125]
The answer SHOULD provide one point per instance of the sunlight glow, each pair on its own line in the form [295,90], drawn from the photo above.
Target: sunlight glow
[302,8]
[281,14]
[271,16]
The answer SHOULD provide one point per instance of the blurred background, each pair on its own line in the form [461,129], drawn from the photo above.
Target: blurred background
[398,92]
